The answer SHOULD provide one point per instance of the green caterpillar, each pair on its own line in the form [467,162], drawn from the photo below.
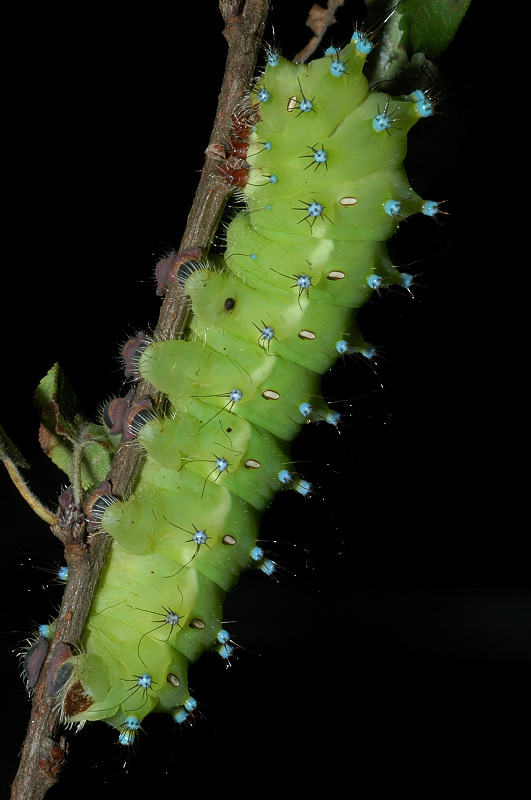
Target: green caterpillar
[324,189]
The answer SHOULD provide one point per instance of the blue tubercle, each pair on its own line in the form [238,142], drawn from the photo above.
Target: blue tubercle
[369,351]
[145,681]
[199,538]
[392,207]
[285,477]
[190,704]
[302,487]
[235,395]
[333,417]
[423,104]
[267,566]
[221,464]
[430,208]
[375,281]
[315,209]
[306,410]
[362,42]
[382,122]
[320,156]
[223,636]
[180,715]
[225,649]
[130,727]
[338,68]
[267,333]
[304,282]
[257,554]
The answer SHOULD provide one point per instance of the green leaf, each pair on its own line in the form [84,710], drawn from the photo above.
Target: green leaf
[412,37]
[65,430]
[10,452]
[429,26]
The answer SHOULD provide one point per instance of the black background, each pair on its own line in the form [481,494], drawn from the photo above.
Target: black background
[397,648]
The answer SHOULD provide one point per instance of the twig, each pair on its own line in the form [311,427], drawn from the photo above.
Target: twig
[319,20]
[43,756]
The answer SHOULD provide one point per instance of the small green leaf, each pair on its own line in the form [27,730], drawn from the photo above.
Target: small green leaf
[10,452]
[58,404]
[429,26]
[65,429]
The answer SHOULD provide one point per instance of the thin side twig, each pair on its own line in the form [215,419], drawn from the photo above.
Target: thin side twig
[45,749]
[319,20]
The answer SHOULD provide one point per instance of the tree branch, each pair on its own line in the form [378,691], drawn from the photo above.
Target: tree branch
[42,755]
